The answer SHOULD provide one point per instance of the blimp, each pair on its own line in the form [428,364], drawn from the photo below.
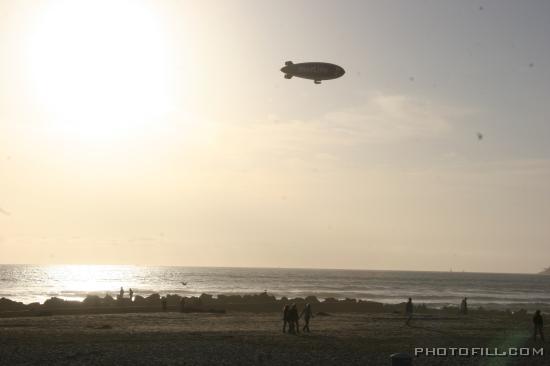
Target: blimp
[316,71]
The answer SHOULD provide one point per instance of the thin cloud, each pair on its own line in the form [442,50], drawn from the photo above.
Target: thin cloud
[391,118]
[381,119]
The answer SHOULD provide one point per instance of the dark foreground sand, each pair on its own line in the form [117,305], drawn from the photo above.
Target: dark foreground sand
[254,339]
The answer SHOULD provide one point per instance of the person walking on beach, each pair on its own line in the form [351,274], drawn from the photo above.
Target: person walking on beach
[537,322]
[409,311]
[293,319]
[131,292]
[306,313]
[464,306]
[286,321]
[121,293]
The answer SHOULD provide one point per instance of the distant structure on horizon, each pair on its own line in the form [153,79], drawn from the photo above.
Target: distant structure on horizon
[545,272]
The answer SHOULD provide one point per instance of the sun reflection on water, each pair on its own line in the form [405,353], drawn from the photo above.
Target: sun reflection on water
[77,281]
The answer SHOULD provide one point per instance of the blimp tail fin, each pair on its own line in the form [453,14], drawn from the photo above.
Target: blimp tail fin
[288,76]
[288,63]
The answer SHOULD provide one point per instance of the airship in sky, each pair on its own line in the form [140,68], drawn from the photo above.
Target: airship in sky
[315,71]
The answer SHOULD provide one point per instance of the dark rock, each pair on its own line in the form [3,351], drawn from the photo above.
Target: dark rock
[173,300]
[205,298]
[108,300]
[54,302]
[139,301]
[34,306]
[312,300]
[10,305]
[92,301]
[153,300]
[194,302]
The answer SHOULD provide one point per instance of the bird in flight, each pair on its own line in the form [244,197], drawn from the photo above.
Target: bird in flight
[184,283]
[479,136]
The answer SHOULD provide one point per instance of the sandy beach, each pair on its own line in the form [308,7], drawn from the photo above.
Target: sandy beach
[238,338]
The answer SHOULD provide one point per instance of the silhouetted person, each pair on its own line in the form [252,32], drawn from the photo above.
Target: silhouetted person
[121,292]
[164,303]
[131,292]
[293,319]
[286,321]
[409,311]
[537,322]
[306,313]
[464,306]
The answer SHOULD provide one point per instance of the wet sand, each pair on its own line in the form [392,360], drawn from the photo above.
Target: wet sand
[238,338]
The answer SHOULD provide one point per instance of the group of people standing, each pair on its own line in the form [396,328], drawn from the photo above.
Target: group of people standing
[121,293]
[292,319]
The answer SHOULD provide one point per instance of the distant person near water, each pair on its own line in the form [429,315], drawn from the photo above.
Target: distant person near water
[409,311]
[164,303]
[464,306]
[131,292]
[307,314]
[121,294]
[286,321]
[538,323]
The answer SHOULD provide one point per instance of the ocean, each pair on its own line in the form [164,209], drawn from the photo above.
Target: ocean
[36,283]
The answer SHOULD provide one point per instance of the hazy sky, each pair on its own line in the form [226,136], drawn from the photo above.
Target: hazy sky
[163,132]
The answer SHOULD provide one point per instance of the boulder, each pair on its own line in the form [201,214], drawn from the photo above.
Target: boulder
[153,300]
[10,305]
[205,298]
[312,300]
[54,302]
[108,300]
[139,301]
[173,300]
[92,301]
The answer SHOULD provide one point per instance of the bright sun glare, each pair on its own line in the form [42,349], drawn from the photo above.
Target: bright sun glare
[99,68]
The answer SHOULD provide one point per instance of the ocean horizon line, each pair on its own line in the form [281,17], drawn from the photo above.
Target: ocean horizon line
[266,268]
